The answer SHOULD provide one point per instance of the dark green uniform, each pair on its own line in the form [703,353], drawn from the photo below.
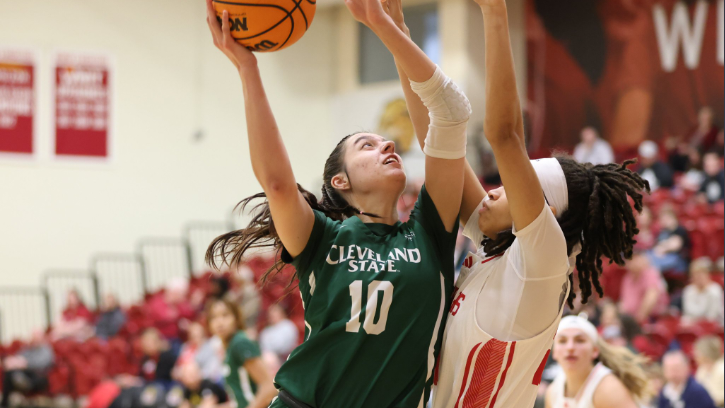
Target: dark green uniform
[240,349]
[375,298]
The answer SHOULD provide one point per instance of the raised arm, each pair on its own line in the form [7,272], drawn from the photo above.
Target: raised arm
[503,125]
[292,215]
[473,191]
[444,177]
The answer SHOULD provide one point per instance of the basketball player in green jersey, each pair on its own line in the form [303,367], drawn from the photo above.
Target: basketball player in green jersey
[375,290]
[246,376]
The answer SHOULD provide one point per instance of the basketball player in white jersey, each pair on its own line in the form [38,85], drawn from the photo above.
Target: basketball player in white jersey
[549,216]
[594,374]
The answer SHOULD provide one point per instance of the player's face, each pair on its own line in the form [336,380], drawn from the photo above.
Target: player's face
[371,163]
[221,321]
[574,350]
[495,216]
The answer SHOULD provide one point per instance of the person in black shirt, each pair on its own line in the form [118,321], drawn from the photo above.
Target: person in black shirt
[713,186]
[159,358]
[671,251]
[197,391]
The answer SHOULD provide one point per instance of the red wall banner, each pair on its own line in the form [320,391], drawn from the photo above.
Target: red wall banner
[82,105]
[17,101]
[633,69]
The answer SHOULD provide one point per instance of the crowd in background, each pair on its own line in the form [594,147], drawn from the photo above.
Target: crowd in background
[666,302]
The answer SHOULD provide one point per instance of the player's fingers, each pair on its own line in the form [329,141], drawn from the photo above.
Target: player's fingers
[227,39]
[213,27]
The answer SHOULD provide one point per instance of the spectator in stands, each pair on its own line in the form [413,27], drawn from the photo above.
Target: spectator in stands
[281,335]
[681,390]
[200,392]
[202,352]
[246,295]
[219,286]
[712,188]
[646,237]
[76,322]
[704,135]
[159,358]
[111,319]
[702,299]
[694,176]
[652,169]
[592,148]
[643,293]
[671,252]
[171,309]
[28,370]
[711,367]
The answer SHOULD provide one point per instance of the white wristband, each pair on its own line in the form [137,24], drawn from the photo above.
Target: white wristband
[449,111]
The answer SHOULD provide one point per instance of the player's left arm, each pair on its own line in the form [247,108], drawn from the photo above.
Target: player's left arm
[260,375]
[611,393]
[503,125]
[444,177]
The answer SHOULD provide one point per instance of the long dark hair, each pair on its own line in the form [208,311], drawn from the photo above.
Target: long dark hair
[230,248]
[599,217]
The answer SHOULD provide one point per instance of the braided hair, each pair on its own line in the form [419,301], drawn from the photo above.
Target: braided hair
[230,248]
[599,217]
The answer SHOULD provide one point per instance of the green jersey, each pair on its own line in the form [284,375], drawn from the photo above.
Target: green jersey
[374,298]
[240,349]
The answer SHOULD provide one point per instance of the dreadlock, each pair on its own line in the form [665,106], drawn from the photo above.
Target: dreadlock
[230,248]
[599,217]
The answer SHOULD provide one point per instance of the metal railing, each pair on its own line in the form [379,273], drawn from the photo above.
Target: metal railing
[164,259]
[121,274]
[58,283]
[23,310]
[199,235]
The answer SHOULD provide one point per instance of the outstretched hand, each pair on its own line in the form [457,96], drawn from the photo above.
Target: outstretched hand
[394,8]
[240,56]
[369,12]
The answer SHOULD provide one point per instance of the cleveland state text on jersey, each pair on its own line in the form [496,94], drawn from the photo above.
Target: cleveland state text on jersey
[366,260]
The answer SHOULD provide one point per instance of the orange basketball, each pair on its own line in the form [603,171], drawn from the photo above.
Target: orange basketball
[267,25]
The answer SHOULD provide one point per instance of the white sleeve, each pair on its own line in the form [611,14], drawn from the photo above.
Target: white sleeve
[471,230]
[539,251]
[527,294]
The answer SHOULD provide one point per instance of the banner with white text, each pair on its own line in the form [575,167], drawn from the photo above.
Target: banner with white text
[17,102]
[83,114]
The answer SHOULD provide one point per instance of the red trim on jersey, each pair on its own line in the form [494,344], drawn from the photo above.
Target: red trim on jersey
[491,258]
[465,375]
[540,370]
[436,370]
[503,376]
[485,373]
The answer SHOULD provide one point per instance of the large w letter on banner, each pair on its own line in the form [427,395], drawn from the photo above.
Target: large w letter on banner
[680,31]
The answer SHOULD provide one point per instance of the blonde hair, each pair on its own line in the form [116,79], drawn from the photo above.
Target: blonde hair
[628,367]
[709,347]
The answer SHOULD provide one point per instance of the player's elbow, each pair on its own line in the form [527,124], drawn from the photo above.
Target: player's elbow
[276,188]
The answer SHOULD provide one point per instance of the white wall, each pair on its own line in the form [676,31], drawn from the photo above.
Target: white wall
[170,83]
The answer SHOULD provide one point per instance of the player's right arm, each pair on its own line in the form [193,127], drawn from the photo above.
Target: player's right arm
[549,397]
[473,191]
[292,215]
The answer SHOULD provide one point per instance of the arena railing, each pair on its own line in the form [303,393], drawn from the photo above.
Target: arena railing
[199,235]
[24,309]
[57,283]
[164,259]
[121,274]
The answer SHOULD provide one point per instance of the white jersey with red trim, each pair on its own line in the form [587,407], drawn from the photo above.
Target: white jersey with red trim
[481,371]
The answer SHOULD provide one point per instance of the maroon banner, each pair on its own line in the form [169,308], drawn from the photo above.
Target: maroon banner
[82,105]
[633,69]
[17,102]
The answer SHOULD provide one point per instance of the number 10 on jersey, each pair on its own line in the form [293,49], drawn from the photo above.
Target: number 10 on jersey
[375,290]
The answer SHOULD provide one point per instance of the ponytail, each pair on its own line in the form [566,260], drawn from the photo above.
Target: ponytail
[628,367]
